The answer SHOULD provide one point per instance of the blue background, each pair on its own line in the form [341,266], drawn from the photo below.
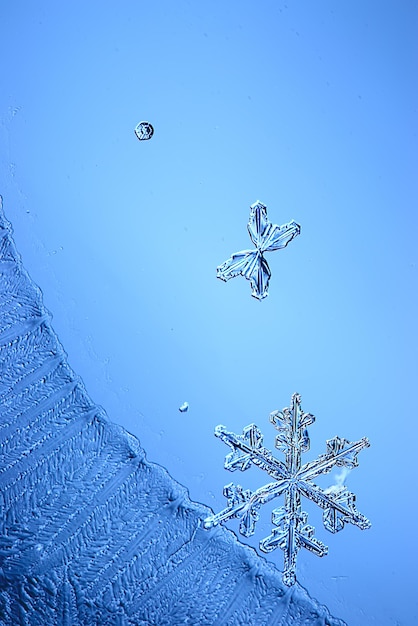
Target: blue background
[310,107]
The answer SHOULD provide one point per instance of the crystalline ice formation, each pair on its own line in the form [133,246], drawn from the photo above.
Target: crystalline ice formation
[251,263]
[91,533]
[144,131]
[292,480]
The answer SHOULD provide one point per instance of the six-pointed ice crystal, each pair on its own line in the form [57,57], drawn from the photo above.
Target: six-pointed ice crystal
[251,263]
[292,480]
[144,131]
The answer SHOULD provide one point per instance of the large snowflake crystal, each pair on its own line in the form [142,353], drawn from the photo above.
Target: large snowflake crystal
[292,480]
[251,263]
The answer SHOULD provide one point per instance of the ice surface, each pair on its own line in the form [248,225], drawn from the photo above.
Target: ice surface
[291,480]
[91,533]
[251,263]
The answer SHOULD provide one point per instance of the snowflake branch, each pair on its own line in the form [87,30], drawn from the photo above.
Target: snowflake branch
[246,449]
[340,452]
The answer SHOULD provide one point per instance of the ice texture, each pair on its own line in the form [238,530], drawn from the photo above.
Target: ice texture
[91,532]
[291,480]
[251,263]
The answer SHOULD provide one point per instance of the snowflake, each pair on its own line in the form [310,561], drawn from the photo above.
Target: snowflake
[251,263]
[144,131]
[292,480]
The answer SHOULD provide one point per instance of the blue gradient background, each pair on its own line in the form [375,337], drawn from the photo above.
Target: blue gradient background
[310,107]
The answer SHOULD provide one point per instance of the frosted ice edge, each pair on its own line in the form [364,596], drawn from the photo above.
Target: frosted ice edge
[90,531]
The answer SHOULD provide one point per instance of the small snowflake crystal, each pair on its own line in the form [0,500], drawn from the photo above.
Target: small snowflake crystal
[144,131]
[251,263]
[292,480]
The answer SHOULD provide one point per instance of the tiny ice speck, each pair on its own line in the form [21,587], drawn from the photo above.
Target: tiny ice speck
[184,407]
[144,131]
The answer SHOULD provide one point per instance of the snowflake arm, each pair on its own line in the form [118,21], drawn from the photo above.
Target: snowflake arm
[290,534]
[338,504]
[258,223]
[248,449]
[239,264]
[277,237]
[340,452]
[245,505]
[252,265]
[267,236]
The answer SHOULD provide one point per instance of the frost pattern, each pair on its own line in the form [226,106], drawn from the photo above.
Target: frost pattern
[251,263]
[291,480]
[91,532]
